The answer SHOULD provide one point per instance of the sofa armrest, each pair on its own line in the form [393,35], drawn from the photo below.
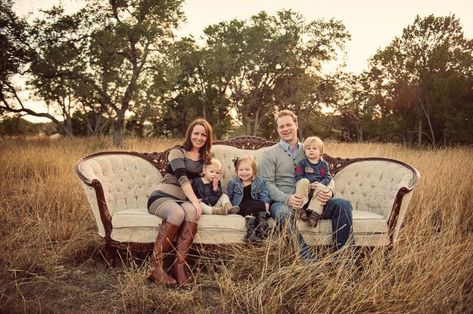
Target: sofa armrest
[379,185]
[94,192]
[114,181]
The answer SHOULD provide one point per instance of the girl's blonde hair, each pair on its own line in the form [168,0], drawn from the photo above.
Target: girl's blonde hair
[314,140]
[237,161]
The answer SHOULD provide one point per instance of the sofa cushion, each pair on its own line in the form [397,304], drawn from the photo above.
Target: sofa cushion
[137,225]
[135,217]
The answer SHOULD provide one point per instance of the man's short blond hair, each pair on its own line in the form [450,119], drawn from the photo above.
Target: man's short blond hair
[285,113]
[313,140]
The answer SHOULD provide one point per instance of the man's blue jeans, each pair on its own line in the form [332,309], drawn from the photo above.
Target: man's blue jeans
[336,209]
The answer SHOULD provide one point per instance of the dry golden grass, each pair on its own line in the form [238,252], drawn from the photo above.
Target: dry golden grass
[51,254]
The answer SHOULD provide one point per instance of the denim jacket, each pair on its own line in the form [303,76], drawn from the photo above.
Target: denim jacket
[259,191]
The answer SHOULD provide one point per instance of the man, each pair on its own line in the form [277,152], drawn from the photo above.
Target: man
[277,168]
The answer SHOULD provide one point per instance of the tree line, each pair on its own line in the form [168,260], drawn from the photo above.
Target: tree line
[116,67]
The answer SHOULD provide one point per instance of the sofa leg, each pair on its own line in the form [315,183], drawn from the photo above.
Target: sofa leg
[110,256]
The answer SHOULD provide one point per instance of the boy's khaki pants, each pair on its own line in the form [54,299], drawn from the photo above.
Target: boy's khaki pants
[303,190]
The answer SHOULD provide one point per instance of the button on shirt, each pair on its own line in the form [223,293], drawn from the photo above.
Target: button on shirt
[291,152]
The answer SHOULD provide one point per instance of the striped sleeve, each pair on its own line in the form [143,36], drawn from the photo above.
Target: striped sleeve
[178,166]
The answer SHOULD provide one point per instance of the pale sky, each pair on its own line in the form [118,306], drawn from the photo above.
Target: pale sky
[372,24]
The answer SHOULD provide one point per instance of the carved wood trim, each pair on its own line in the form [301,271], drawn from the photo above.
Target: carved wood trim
[246,142]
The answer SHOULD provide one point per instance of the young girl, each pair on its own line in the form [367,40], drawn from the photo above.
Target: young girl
[249,192]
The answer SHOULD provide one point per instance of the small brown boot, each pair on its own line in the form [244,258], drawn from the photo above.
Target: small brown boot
[230,209]
[184,243]
[314,219]
[166,234]
[218,211]
[303,214]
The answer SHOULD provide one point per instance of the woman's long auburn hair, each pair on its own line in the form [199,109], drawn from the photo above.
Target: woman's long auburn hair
[206,150]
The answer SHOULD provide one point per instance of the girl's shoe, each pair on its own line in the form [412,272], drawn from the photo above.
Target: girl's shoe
[251,235]
[230,209]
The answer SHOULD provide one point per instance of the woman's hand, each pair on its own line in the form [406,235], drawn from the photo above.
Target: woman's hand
[198,209]
[187,188]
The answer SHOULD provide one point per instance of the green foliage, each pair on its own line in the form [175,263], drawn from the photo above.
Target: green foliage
[424,79]
[14,126]
[247,69]
[115,67]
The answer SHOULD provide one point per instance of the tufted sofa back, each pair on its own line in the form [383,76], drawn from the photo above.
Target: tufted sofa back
[226,154]
[126,180]
[372,184]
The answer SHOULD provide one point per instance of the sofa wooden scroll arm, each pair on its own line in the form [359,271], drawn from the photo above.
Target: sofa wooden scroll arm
[105,216]
[103,209]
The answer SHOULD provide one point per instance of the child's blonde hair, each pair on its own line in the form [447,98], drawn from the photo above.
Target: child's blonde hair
[314,140]
[214,162]
[237,161]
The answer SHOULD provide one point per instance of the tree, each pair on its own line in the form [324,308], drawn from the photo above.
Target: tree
[112,51]
[421,71]
[251,67]
[356,110]
[99,60]
[16,54]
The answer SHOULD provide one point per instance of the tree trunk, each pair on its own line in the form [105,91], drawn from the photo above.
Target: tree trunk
[256,123]
[359,134]
[419,132]
[118,131]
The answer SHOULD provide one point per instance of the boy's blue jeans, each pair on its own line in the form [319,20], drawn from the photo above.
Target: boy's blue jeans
[336,209]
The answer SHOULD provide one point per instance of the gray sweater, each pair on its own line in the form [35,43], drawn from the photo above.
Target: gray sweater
[278,168]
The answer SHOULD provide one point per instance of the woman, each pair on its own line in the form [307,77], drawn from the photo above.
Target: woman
[175,202]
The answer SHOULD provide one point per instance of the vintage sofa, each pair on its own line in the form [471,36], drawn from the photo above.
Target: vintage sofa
[117,184]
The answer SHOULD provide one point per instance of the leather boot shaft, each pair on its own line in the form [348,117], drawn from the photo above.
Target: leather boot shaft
[184,243]
[167,232]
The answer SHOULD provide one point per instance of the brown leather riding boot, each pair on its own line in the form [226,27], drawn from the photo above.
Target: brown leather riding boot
[166,234]
[184,243]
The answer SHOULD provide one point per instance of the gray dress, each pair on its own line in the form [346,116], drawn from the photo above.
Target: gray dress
[180,170]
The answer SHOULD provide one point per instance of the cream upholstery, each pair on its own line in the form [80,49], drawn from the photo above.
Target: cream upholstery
[226,154]
[127,180]
[372,185]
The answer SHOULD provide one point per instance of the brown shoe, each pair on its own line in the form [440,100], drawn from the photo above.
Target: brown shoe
[218,211]
[230,209]
[303,215]
[166,234]
[314,219]
[184,243]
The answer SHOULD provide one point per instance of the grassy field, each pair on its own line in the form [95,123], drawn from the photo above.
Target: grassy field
[51,256]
